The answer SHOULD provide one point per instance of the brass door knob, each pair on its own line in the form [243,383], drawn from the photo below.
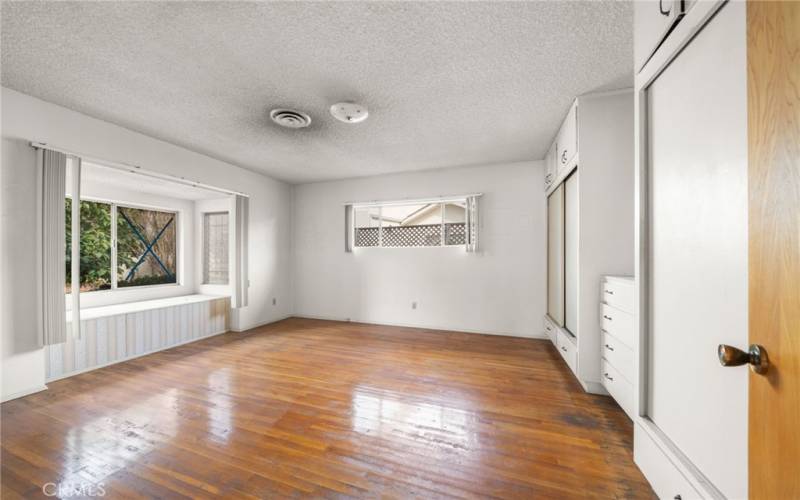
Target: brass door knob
[756,357]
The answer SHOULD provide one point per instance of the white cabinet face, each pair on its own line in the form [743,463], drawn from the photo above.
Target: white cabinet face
[567,141]
[652,21]
[555,255]
[550,164]
[571,221]
[698,293]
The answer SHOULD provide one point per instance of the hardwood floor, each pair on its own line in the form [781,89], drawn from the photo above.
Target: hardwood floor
[320,408]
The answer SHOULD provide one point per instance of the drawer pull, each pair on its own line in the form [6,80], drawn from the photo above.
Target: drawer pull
[607,317]
[609,378]
[564,157]
[609,292]
[563,348]
[609,348]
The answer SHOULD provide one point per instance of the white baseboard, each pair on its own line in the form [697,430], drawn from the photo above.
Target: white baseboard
[128,358]
[422,326]
[594,387]
[22,394]
[262,323]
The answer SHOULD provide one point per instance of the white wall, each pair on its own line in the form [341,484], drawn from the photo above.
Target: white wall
[25,118]
[501,290]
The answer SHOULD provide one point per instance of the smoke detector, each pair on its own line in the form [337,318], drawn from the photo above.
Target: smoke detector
[349,112]
[290,118]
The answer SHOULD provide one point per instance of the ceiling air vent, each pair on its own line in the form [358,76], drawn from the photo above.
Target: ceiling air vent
[290,118]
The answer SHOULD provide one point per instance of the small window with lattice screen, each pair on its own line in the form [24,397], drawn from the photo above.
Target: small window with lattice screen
[215,248]
[410,225]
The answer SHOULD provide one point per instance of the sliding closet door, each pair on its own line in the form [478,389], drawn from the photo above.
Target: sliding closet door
[555,255]
[698,250]
[571,253]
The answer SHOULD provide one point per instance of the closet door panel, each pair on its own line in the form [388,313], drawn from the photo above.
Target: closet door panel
[555,255]
[697,148]
[571,253]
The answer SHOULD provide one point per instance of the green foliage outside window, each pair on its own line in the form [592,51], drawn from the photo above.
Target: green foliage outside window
[95,245]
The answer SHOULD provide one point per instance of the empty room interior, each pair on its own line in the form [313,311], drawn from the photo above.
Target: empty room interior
[542,249]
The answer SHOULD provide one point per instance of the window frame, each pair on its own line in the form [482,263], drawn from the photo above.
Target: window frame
[379,205]
[203,245]
[114,205]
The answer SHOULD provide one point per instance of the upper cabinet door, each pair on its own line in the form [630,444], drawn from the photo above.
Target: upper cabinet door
[567,139]
[652,21]
[550,166]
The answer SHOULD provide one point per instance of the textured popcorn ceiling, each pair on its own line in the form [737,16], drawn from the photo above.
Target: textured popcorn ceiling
[446,83]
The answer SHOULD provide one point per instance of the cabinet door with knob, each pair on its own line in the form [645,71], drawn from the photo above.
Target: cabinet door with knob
[653,21]
[567,140]
[550,167]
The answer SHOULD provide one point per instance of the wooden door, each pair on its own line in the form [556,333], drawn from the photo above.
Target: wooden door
[773,63]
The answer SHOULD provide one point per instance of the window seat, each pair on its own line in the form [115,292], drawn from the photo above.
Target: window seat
[115,333]
[142,305]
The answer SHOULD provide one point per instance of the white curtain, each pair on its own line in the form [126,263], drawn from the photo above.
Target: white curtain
[52,171]
[473,223]
[348,228]
[75,250]
[241,280]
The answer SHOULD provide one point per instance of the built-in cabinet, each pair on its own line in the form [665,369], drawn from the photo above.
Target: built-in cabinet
[589,188]
[654,21]
[560,157]
[691,289]
[617,339]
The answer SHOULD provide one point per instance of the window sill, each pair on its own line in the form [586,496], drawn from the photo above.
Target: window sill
[144,305]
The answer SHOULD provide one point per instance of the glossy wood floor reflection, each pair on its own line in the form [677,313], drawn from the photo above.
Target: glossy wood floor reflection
[325,409]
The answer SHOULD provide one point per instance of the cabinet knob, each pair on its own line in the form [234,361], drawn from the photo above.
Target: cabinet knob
[609,348]
[607,317]
[564,156]
[609,292]
[563,348]
[609,378]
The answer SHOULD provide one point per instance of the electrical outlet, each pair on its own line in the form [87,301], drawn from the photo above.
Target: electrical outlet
[414,305]
[274,301]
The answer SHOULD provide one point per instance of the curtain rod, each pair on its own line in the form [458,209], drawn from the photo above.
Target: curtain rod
[406,201]
[136,169]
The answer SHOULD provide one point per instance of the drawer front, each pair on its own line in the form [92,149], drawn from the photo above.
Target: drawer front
[550,330]
[619,356]
[666,480]
[619,388]
[567,350]
[617,323]
[619,295]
